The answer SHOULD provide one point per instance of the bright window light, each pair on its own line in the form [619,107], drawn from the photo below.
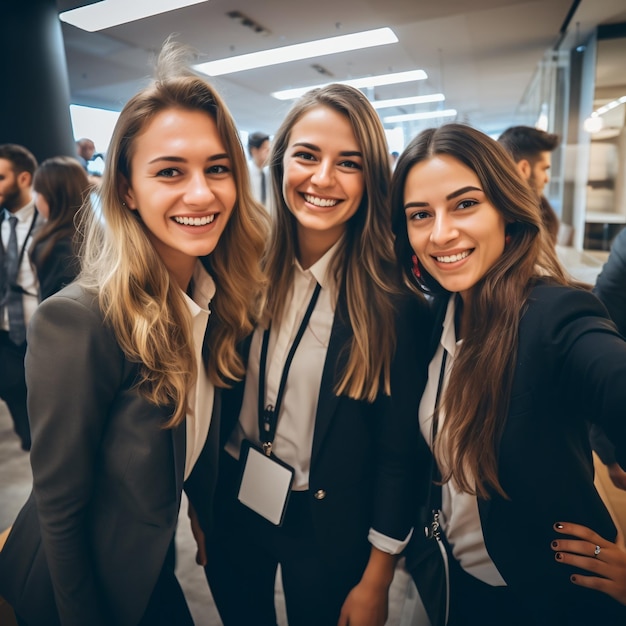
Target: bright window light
[94,124]
[307,50]
[424,115]
[358,83]
[109,13]
[400,102]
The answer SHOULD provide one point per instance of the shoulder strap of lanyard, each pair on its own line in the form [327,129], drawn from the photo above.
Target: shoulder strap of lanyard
[268,415]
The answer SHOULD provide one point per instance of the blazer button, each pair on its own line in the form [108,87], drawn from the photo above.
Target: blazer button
[320,494]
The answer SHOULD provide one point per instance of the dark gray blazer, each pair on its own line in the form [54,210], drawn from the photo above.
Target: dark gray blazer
[91,541]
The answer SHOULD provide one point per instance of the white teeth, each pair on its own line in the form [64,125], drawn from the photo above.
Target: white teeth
[194,221]
[453,258]
[321,202]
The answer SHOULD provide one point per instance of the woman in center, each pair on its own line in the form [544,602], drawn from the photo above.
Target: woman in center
[334,376]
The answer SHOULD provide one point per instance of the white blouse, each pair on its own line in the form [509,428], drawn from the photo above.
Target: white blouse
[293,442]
[460,516]
[202,394]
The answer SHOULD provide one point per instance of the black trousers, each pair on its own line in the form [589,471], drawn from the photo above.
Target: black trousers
[245,550]
[13,385]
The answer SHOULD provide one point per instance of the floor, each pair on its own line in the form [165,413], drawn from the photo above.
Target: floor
[405,607]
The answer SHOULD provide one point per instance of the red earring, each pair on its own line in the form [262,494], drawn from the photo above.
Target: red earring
[507,240]
[416,267]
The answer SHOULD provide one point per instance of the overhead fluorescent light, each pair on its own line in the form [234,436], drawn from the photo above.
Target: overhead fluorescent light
[297,52]
[359,83]
[401,102]
[424,115]
[109,13]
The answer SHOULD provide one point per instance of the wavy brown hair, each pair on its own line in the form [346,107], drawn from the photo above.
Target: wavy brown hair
[364,265]
[477,397]
[63,183]
[142,303]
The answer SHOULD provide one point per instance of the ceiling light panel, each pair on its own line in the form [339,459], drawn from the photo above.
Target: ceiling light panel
[424,115]
[110,13]
[359,83]
[297,52]
[401,102]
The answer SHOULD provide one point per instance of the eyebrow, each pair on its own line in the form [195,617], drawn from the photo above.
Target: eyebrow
[315,148]
[176,159]
[450,196]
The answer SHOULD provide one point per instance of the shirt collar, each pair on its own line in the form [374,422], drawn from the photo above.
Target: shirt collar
[25,214]
[320,269]
[203,290]
[448,336]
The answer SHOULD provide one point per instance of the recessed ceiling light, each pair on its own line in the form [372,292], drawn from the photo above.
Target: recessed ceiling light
[359,83]
[400,102]
[107,13]
[424,115]
[307,50]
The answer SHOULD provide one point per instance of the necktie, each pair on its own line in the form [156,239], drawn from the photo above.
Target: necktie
[14,304]
[263,190]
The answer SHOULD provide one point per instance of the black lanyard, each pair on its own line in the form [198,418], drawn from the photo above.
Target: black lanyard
[434,489]
[268,415]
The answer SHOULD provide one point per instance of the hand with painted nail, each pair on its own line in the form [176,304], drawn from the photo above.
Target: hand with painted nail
[604,559]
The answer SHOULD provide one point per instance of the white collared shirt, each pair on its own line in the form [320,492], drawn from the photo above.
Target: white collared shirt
[461,519]
[27,276]
[256,173]
[201,396]
[296,421]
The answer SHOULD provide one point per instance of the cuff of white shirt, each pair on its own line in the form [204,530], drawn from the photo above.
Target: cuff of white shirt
[387,544]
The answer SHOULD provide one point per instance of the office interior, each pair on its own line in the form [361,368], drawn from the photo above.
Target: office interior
[554,64]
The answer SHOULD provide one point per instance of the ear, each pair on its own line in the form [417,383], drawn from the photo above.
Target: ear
[524,168]
[24,180]
[126,193]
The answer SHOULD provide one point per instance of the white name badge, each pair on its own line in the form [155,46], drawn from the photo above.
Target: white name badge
[265,483]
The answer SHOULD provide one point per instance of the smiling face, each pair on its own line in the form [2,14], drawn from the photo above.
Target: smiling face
[182,186]
[323,182]
[456,233]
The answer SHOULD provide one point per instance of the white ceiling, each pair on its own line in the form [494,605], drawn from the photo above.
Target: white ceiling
[481,53]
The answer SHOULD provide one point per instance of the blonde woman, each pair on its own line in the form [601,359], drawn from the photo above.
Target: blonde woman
[124,366]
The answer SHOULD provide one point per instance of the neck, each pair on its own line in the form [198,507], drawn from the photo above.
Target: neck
[460,316]
[312,246]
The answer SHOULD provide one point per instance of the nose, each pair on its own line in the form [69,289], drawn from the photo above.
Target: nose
[323,175]
[198,191]
[444,229]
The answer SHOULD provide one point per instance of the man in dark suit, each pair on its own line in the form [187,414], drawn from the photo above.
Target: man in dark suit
[18,280]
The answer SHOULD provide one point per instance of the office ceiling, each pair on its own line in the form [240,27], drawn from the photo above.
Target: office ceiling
[481,54]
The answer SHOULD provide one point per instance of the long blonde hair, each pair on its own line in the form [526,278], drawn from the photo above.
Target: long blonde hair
[477,397]
[364,264]
[141,302]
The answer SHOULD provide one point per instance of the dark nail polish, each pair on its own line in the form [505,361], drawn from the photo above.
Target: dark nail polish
[572,578]
[558,556]
[555,544]
[558,525]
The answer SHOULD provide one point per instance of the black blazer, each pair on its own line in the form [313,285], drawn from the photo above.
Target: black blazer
[92,539]
[363,452]
[571,369]
[58,269]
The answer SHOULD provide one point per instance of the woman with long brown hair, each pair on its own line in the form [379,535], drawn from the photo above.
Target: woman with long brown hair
[521,359]
[61,187]
[324,429]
